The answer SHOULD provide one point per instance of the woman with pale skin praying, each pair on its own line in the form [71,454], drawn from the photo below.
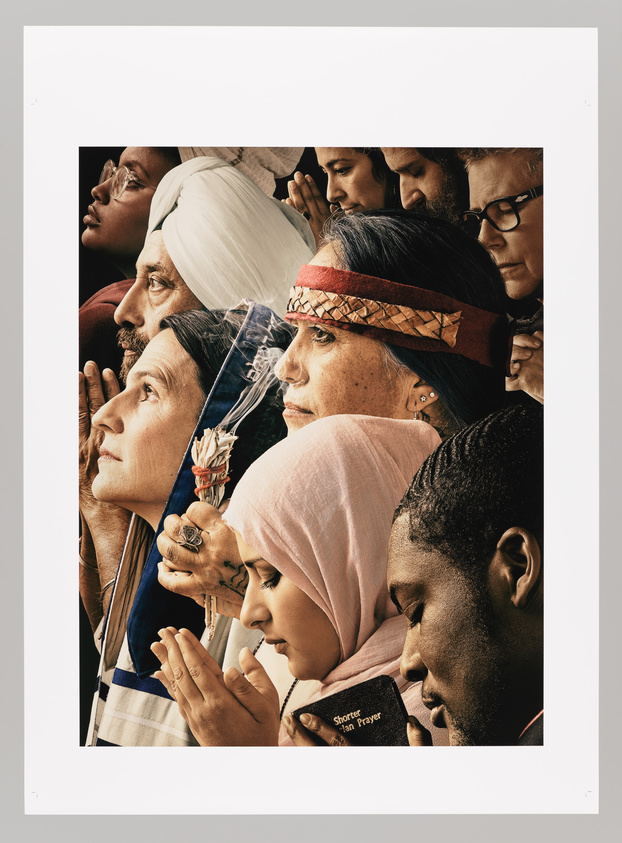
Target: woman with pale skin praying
[312,525]
[358,180]
[145,467]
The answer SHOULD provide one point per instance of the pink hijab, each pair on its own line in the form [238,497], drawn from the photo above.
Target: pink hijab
[319,507]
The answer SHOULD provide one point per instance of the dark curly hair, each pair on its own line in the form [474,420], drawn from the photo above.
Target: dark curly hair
[485,479]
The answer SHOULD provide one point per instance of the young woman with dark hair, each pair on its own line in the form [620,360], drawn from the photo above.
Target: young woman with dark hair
[358,180]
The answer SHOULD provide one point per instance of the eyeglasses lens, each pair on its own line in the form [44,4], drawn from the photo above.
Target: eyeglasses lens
[472,225]
[503,215]
[109,168]
[119,181]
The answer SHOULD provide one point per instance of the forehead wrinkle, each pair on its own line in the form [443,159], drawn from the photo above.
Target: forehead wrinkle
[157,374]
[492,182]
[488,193]
[406,160]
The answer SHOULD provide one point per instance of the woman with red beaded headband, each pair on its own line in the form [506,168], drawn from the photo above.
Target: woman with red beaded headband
[397,315]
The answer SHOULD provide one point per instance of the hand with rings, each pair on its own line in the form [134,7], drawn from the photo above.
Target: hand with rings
[190,537]
[200,557]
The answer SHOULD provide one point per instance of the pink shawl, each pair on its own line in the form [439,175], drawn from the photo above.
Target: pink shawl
[319,507]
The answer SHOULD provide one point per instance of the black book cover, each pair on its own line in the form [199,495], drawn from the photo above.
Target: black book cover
[369,714]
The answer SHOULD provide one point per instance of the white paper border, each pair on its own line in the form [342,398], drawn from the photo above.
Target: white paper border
[184,86]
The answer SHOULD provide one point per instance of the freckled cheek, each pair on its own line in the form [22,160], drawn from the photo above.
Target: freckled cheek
[342,393]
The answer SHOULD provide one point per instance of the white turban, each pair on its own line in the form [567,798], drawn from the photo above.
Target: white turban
[260,163]
[227,239]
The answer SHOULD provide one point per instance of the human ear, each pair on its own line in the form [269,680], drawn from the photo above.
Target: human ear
[520,561]
[420,396]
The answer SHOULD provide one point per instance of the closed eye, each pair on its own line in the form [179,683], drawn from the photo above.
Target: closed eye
[414,615]
[273,581]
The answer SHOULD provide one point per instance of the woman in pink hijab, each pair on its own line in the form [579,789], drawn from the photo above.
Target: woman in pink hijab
[312,518]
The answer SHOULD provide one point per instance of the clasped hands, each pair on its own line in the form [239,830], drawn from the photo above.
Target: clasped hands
[527,365]
[103,525]
[215,569]
[221,709]
[94,391]
[235,709]
[306,198]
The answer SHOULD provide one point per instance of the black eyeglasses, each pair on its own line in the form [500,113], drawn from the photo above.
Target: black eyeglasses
[502,214]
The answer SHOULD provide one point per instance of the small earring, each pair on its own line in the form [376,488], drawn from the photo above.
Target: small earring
[423,398]
[432,394]
[416,416]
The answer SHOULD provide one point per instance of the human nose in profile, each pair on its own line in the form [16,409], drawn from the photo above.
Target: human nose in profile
[489,237]
[254,612]
[412,666]
[108,417]
[334,191]
[288,367]
[130,312]
[101,192]
[410,195]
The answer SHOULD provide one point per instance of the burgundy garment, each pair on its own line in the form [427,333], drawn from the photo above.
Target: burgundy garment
[98,330]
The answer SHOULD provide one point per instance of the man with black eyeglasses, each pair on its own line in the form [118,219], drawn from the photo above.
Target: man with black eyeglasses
[506,214]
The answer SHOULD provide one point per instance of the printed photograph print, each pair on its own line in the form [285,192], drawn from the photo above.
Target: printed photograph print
[311,446]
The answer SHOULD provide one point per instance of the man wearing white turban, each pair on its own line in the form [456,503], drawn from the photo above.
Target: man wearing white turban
[214,238]
[262,164]
[227,240]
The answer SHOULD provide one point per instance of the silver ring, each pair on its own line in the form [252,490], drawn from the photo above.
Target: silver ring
[190,537]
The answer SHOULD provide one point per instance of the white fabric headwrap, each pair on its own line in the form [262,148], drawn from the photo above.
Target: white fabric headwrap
[260,163]
[227,239]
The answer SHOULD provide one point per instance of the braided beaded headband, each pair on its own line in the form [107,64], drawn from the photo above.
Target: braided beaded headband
[399,314]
